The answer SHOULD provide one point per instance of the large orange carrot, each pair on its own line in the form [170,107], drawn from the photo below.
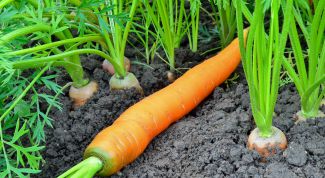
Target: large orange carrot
[123,141]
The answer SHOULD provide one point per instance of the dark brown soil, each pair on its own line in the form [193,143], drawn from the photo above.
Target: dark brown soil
[208,142]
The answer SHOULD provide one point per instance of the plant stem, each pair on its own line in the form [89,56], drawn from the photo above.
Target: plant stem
[128,25]
[179,29]
[86,169]
[76,72]
[39,62]
[54,44]
[74,68]
[308,104]
[262,59]
[194,24]
[4,3]
[72,65]
[22,32]
[27,30]
[308,78]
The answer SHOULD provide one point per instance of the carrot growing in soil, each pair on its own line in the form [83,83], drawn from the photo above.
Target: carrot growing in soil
[168,19]
[68,59]
[114,22]
[224,14]
[122,142]
[262,60]
[309,79]
[45,30]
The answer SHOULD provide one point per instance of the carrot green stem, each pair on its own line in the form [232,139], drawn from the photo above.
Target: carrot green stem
[309,79]
[34,3]
[193,31]
[168,25]
[309,109]
[4,3]
[23,31]
[262,59]
[179,18]
[128,27]
[59,59]
[76,72]
[75,2]
[73,65]
[224,16]
[116,36]
[86,169]
[55,44]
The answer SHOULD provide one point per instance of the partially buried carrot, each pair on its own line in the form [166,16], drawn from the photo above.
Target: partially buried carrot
[123,141]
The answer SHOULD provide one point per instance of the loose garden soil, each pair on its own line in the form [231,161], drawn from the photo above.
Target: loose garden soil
[209,142]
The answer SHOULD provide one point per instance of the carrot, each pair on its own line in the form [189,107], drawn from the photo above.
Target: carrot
[123,141]
[108,67]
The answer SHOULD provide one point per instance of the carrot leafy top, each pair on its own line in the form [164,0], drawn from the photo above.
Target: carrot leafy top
[262,58]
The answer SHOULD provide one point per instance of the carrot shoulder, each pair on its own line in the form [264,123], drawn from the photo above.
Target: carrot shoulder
[123,141]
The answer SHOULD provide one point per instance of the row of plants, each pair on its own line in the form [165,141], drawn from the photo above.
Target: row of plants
[44,35]
[263,52]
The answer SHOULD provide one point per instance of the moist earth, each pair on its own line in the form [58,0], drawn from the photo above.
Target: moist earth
[209,142]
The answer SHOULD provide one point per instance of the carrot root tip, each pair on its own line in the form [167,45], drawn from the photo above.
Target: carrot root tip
[171,76]
[80,96]
[128,82]
[108,67]
[267,146]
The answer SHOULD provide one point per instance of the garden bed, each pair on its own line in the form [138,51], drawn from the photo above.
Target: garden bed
[209,142]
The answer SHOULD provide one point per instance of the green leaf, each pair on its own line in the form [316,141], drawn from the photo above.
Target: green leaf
[19,131]
[103,25]
[7,14]
[51,100]
[91,3]
[22,109]
[46,119]
[50,84]
[29,171]
[24,172]
[106,9]
[5,173]
[304,4]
